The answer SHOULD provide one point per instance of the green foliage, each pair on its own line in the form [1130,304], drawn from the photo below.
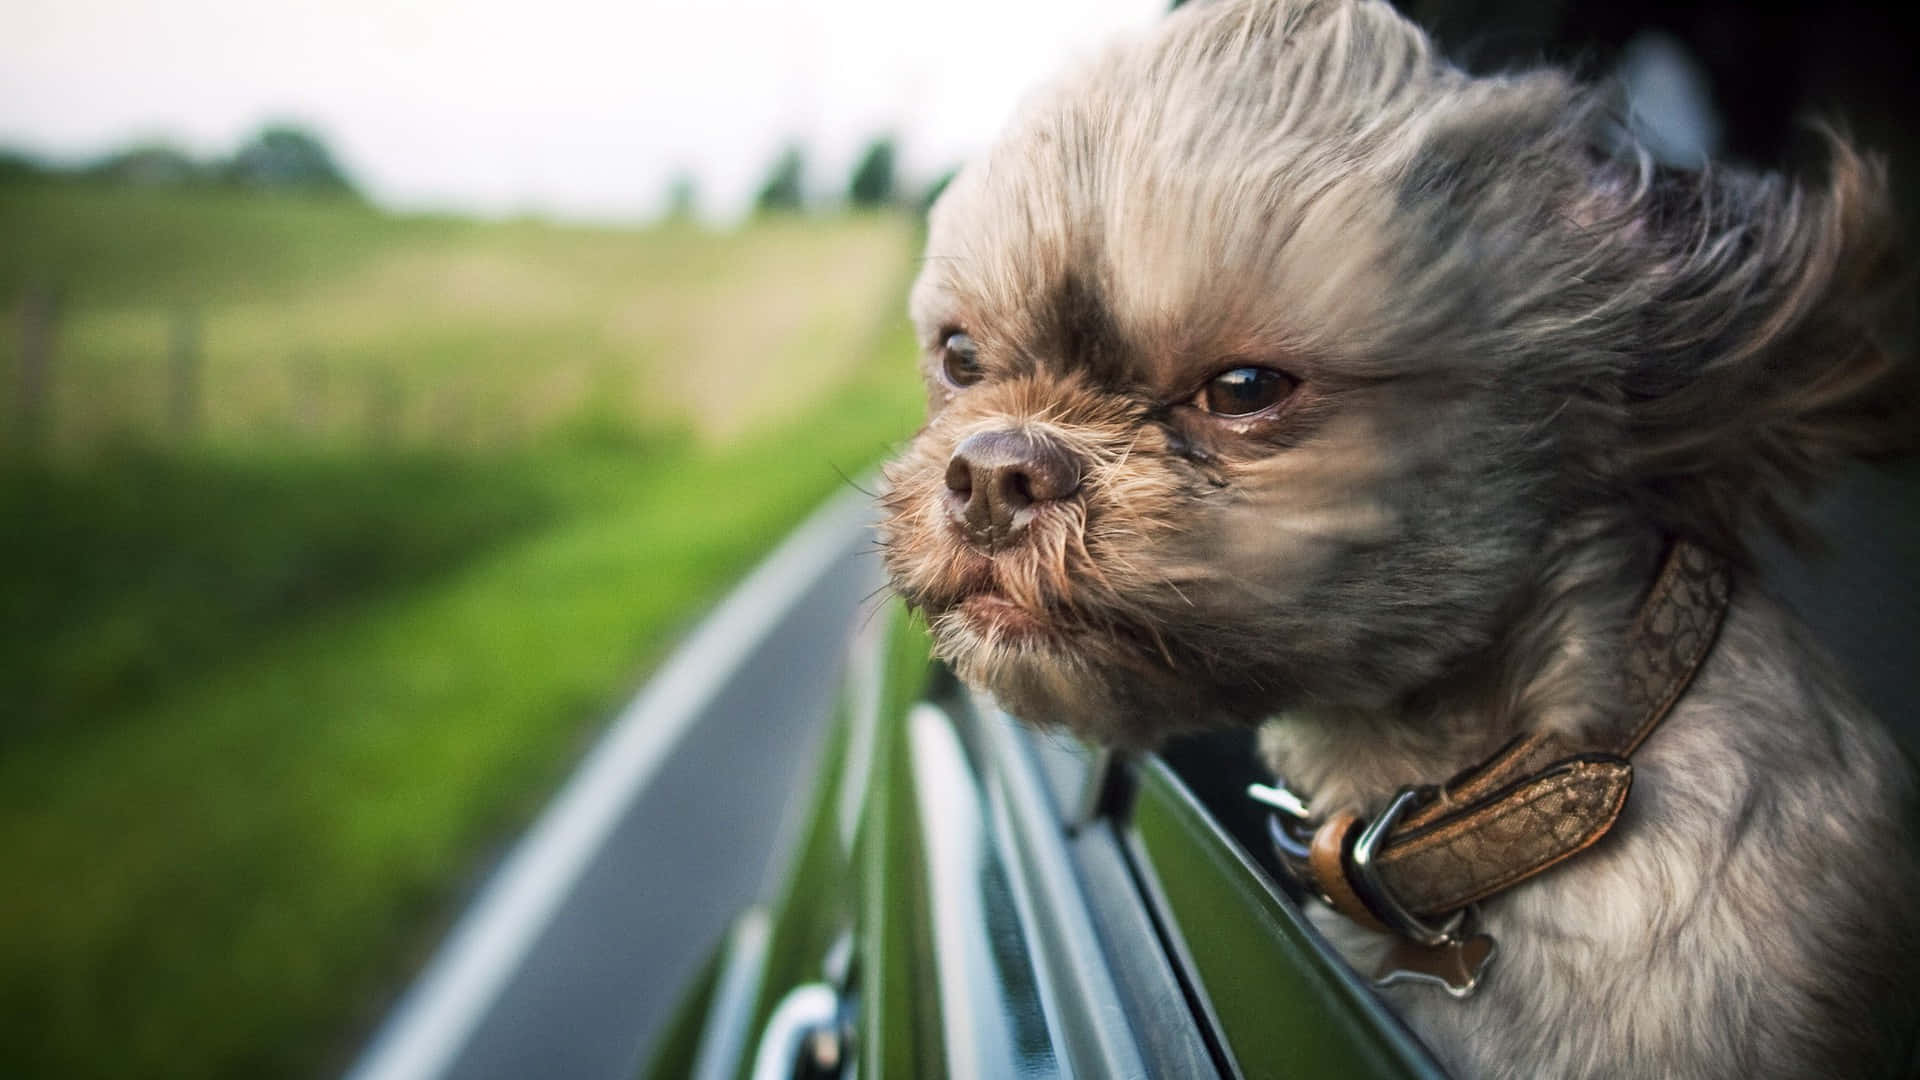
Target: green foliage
[149,165]
[281,157]
[936,189]
[277,158]
[16,166]
[683,197]
[784,189]
[258,854]
[872,184]
[133,574]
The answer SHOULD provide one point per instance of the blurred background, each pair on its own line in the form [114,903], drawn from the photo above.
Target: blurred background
[385,387]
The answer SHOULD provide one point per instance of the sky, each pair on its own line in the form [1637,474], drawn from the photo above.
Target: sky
[570,109]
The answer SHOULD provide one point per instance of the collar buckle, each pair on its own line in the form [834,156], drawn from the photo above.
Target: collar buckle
[1384,904]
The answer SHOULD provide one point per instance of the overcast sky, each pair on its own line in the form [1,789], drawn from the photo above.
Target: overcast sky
[568,108]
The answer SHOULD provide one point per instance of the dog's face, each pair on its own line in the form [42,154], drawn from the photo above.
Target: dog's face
[1260,357]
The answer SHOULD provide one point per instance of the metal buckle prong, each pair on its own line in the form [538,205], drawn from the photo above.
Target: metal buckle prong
[1278,797]
[1379,898]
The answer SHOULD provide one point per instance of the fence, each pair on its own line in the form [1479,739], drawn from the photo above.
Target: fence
[161,392]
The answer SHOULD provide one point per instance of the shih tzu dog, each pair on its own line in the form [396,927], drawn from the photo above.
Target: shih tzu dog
[1281,374]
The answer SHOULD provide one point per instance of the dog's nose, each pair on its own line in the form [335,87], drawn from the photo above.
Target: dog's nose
[994,477]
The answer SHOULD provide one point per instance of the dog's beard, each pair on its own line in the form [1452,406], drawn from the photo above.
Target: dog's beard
[1049,632]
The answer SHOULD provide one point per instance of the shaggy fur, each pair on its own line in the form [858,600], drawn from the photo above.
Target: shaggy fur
[1522,362]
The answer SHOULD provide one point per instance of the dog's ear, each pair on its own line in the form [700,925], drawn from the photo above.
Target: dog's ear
[1775,345]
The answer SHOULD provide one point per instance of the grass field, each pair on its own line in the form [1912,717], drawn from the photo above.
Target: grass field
[279,683]
[328,323]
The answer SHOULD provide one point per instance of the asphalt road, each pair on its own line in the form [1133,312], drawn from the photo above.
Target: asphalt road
[703,837]
[690,854]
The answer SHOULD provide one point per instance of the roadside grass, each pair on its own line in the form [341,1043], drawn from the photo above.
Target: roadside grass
[229,879]
[274,703]
[129,575]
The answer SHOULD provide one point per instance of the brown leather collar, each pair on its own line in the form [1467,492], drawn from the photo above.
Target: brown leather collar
[1541,799]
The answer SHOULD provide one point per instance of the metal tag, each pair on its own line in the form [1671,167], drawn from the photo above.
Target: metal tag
[1455,966]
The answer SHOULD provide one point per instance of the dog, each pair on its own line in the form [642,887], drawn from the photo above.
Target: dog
[1281,374]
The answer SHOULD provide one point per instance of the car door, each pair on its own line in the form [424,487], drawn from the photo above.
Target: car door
[971,898]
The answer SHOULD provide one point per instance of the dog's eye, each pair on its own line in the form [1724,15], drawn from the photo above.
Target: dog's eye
[1244,391]
[960,359]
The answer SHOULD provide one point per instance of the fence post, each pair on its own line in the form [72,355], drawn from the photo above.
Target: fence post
[39,311]
[309,394]
[385,403]
[183,367]
[453,416]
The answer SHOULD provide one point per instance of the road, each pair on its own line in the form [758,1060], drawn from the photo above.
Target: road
[574,953]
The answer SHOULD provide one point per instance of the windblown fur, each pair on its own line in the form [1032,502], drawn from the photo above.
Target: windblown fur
[1525,357]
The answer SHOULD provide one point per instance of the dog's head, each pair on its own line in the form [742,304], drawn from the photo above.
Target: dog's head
[1264,352]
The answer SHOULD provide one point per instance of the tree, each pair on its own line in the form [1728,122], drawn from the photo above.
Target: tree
[872,184]
[17,165]
[934,190]
[153,164]
[783,192]
[280,157]
[683,197]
